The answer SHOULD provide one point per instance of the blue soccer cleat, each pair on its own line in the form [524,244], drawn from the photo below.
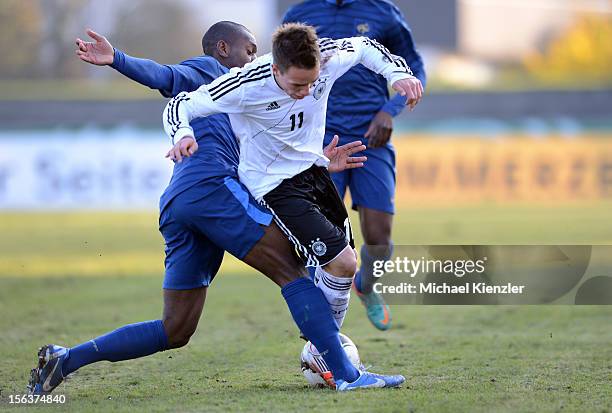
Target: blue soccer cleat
[368,380]
[377,310]
[48,375]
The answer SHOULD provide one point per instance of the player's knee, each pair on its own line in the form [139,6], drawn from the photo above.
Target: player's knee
[179,339]
[378,238]
[377,234]
[178,332]
[377,228]
[344,265]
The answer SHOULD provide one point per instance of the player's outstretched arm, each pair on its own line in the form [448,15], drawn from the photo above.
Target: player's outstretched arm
[147,72]
[99,52]
[341,157]
[355,50]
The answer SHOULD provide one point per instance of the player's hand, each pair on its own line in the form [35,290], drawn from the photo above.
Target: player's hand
[99,53]
[340,157]
[379,131]
[184,148]
[411,88]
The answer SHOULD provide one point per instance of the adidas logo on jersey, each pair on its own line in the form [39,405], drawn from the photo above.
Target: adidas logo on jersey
[273,106]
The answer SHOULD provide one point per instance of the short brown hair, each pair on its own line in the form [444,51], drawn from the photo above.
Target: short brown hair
[295,44]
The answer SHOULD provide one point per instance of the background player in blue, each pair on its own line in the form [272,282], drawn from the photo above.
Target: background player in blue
[359,107]
[204,210]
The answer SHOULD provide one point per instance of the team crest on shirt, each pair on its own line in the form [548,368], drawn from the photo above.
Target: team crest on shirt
[363,28]
[318,247]
[319,88]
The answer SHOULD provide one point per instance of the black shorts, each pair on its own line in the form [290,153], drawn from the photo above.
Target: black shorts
[312,215]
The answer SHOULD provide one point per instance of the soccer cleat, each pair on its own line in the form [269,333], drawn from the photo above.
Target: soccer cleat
[48,375]
[367,380]
[377,310]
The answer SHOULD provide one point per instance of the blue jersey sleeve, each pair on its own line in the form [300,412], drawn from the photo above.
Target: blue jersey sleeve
[399,41]
[170,80]
[395,105]
[144,71]
[193,73]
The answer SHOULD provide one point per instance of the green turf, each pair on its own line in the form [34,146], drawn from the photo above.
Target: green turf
[245,353]
[98,244]
[244,356]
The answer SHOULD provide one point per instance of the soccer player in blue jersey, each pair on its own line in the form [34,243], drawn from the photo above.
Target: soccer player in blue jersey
[359,107]
[204,211]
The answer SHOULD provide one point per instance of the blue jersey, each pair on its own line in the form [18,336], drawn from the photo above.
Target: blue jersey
[218,152]
[358,95]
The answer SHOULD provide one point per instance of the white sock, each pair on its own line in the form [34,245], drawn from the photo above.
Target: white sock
[337,291]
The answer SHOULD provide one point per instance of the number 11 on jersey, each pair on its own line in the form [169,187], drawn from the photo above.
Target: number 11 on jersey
[301,119]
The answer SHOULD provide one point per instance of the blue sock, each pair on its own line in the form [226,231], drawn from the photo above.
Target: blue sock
[128,342]
[313,317]
[311,272]
[364,280]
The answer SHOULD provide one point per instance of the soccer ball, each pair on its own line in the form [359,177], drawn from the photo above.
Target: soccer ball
[314,367]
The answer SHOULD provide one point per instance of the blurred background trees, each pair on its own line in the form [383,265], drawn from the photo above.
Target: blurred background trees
[37,36]
[20,39]
[467,44]
[582,54]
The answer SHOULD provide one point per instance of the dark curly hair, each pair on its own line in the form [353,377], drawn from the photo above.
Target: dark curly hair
[295,44]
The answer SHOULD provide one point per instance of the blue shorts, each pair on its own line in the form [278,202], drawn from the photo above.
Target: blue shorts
[199,224]
[372,186]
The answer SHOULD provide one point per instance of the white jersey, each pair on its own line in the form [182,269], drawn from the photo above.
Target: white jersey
[279,136]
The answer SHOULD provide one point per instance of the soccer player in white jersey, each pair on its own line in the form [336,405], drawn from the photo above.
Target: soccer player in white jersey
[277,106]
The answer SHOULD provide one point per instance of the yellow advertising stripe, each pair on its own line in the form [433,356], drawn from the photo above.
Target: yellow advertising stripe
[433,170]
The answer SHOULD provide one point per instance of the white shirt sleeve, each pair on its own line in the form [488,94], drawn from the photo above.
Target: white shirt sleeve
[221,96]
[343,54]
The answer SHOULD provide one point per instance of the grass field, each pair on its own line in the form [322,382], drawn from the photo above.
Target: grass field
[66,278]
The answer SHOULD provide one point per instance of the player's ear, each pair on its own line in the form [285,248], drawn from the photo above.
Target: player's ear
[223,48]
